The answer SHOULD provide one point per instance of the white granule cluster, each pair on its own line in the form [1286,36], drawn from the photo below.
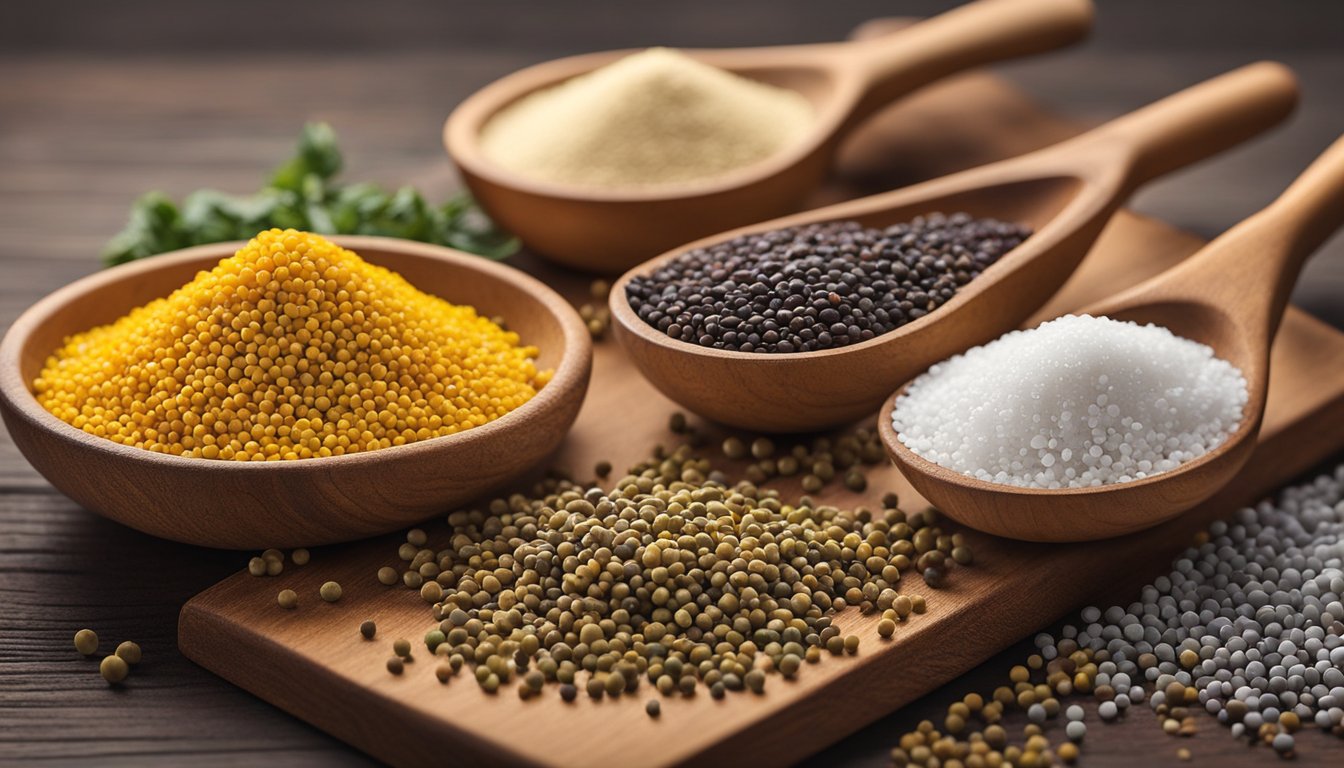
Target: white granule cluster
[1252,619]
[1076,402]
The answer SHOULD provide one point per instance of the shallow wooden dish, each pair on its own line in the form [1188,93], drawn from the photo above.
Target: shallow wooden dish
[608,231]
[309,501]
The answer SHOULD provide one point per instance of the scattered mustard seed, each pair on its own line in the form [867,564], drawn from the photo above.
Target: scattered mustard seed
[368,629]
[653,708]
[86,642]
[299,556]
[256,566]
[395,665]
[289,599]
[330,591]
[129,652]
[114,669]
[402,647]
[388,576]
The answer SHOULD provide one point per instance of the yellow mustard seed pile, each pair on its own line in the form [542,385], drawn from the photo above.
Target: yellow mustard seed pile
[292,348]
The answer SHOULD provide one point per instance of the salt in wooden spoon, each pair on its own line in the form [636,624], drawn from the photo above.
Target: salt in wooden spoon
[1231,295]
[609,231]
[1066,193]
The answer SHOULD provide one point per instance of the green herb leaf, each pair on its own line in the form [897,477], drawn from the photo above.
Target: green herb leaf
[303,194]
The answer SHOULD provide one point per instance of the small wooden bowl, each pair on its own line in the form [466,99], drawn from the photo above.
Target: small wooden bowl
[611,230]
[309,501]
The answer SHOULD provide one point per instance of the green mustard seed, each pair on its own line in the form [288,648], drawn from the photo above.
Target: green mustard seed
[401,647]
[129,652]
[86,642]
[114,669]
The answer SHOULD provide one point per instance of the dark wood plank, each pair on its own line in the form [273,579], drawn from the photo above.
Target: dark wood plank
[100,102]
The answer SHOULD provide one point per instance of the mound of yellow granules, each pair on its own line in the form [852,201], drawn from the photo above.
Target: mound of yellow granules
[290,349]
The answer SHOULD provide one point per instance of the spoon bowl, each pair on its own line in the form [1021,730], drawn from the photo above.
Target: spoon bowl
[609,230]
[303,502]
[1066,193]
[1230,296]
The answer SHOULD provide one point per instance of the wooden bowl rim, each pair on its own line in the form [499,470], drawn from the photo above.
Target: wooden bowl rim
[1081,206]
[462,129]
[904,457]
[569,373]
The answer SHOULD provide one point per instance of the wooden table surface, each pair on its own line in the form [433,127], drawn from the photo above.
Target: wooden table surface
[101,102]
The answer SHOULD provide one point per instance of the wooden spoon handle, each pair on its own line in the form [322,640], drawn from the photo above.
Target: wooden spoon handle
[1254,266]
[1200,121]
[968,36]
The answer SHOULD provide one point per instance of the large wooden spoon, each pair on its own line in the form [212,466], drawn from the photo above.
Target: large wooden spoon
[1231,295]
[609,231]
[1066,193]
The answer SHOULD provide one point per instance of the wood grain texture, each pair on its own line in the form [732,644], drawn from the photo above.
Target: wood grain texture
[100,104]
[611,230]
[1065,193]
[239,505]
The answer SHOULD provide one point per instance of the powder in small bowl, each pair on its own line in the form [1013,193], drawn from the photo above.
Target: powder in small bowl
[1077,402]
[655,117]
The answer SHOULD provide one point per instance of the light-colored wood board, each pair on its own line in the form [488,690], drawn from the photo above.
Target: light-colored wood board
[313,663]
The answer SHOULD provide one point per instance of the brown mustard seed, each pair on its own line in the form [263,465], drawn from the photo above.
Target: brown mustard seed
[395,665]
[368,629]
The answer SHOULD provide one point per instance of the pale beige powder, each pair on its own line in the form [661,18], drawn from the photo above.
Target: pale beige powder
[653,118]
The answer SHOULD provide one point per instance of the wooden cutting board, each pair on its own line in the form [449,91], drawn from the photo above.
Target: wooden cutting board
[313,663]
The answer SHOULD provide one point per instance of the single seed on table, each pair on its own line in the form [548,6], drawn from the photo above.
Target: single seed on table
[603,469]
[1108,711]
[330,591]
[676,423]
[86,642]
[388,575]
[287,599]
[653,708]
[734,448]
[368,629]
[568,691]
[443,671]
[274,567]
[1068,752]
[417,537]
[413,579]
[1075,730]
[401,647]
[852,644]
[129,652]
[256,566]
[299,556]
[395,665]
[1183,754]
[114,669]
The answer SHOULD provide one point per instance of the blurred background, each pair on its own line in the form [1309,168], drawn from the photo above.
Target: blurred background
[81,78]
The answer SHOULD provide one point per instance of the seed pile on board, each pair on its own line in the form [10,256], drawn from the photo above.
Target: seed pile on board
[671,576]
[1248,626]
[654,118]
[290,349]
[1075,402]
[820,286]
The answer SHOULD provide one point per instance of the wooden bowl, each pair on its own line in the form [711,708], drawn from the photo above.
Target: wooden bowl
[610,230]
[308,501]
[1065,193]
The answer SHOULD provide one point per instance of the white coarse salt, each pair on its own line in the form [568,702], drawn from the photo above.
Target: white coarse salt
[1076,402]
